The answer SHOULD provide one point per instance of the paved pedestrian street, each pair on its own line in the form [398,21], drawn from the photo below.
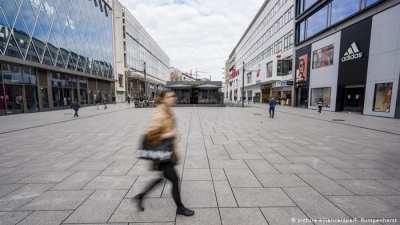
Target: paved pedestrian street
[237,166]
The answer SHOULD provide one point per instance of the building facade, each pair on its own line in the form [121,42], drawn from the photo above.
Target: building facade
[142,66]
[48,57]
[265,52]
[348,55]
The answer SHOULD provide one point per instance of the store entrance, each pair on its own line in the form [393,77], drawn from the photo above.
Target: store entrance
[13,98]
[353,99]
[302,97]
[195,96]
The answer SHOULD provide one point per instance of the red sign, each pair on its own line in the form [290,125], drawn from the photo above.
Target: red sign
[278,56]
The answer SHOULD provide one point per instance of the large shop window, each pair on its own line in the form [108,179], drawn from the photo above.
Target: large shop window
[323,56]
[285,66]
[383,97]
[318,93]
[269,69]
[304,5]
[342,9]
[249,76]
[317,22]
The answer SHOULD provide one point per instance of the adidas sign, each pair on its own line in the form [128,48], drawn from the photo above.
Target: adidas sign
[352,53]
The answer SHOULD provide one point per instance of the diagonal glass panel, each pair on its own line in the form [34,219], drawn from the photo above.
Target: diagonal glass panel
[53,51]
[28,16]
[21,34]
[4,32]
[50,9]
[36,6]
[59,61]
[44,24]
[46,57]
[32,55]
[64,56]
[39,46]
[9,9]
[13,49]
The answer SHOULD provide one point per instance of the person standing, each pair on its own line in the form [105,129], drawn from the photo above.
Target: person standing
[75,106]
[272,104]
[129,100]
[320,104]
[254,99]
[105,102]
[113,99]
[163,128]
[98,101]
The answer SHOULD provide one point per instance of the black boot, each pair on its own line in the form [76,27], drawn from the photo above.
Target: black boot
[139,198]
[184,211]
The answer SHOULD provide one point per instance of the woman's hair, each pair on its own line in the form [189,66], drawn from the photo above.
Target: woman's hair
[161,94]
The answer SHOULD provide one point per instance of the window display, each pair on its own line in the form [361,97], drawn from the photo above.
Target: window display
[269,69]
[318,93]
[383,97]
[323,56]
[301,72]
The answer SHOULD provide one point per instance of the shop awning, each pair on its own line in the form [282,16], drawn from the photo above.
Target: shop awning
[208,86]
[179,86]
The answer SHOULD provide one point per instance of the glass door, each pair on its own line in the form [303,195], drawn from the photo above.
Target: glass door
[3,111]
[67,97]
[13,99]
[353,99]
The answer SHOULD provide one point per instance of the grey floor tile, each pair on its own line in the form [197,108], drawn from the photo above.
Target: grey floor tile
[156,210]
[324,185]
[281,180]
[98,208]
[20,197]
[196,174]
[245,156]
[111,183]
[239,216]
[333,173]
[46,178]
[198,194]
[142,182]
[395,184]
[196,164]
[76,181]
[368,174]
[392,200]
[261,197]
[228,164]
[118,169]
[45,218]
[224,194]
[8,218]
[218,154]
[242,178]
[260,166]
[5,189]
[90,166]
[58,200]
[209,216]
[365,207]
[218,174]
[294,168]
[367,187]
[284,215]
[313,204]
[274,158]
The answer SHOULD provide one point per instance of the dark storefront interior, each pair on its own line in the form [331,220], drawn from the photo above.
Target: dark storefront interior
[197,92]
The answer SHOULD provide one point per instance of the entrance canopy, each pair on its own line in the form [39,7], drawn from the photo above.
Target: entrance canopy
[207,85]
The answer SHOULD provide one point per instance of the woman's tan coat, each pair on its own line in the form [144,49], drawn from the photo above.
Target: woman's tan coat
[162,122]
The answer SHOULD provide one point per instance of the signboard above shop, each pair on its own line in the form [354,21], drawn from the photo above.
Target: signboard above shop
[195,83]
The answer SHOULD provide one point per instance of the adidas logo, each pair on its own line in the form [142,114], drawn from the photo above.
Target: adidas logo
[352,53]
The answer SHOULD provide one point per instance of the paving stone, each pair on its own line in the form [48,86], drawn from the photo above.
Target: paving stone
[218,154]
[305,198]
[90,166]
[224,194]
[76,181]
[7,218]
[284,215]
[242,178]
[365,207]
[196,164]
[209,216]
[156,210]
[324,185]
[333,173]
[98,208]
[228,164]
[274,158]
[142,182]
[198,194]
[20,197]
[367,187]
[234,148]
[45,218]
[294,168]
[392,200]
[281,180]
[305,160]
[46,178]
[118,169]
[111,183]
[99,156]
[261,197]
[395,184]
[368,174]
[58,200]
[239,216]
[142,168]
[245,156]
[5,189]
[218,174]
[259,149]
[260,166]
[196,174]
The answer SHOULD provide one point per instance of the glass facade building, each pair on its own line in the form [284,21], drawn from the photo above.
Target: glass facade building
[64,51]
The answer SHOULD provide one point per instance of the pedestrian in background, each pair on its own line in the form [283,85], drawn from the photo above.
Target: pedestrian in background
[98,102]
[272,104]
[75,106]
[254,99]
[320,104]
[113,99]
[105,102]
[129,100]
[162,134]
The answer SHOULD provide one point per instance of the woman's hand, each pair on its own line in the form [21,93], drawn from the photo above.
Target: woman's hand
[170,134]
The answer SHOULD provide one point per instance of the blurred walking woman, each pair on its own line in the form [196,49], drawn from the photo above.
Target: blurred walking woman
[162,129]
